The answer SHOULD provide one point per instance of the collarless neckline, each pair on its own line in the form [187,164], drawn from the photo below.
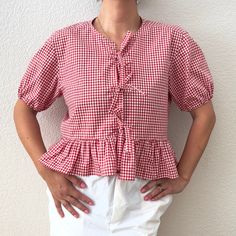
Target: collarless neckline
[133,33]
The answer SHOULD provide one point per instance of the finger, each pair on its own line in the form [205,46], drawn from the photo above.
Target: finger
[76,181]
[149,185]
[58,207]
[153,193]
[160,195]
[80,196]
[78,204]
[68,206]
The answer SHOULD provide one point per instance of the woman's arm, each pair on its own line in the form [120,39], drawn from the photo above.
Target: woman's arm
[28,130]
[61,185]
[204,119]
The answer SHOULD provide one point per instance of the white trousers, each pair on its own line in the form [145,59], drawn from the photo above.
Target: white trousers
[119,210]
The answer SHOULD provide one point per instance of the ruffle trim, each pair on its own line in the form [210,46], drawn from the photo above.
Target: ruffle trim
[154,158]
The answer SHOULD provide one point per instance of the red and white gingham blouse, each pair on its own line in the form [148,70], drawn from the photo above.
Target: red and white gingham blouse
[118,101]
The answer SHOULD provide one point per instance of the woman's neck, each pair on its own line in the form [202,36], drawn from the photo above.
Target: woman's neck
[119,16]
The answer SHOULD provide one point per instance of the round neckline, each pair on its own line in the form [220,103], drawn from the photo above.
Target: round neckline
[133,33]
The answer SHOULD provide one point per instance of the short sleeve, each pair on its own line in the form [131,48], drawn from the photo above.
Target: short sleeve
[190,80]
[39,87]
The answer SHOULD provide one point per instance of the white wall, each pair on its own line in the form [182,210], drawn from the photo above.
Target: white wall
[207,205]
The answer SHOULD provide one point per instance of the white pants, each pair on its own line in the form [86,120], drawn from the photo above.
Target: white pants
[119,210]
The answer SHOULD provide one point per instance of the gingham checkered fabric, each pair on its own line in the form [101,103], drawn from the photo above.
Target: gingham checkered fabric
[118,101]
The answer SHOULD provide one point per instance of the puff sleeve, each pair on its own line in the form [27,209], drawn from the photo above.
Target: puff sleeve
[190,80]
[39,87]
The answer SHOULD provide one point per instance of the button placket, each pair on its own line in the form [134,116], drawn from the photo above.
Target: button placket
[125,132]
[117,105]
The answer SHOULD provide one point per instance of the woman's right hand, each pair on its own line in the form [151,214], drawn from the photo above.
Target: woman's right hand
[63,191]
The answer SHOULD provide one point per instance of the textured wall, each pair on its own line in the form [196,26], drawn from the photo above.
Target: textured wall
[207,205]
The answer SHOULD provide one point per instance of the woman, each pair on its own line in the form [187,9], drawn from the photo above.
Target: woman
[114,168]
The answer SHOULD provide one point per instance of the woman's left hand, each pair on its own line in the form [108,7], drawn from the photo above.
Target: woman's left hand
[163,187]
